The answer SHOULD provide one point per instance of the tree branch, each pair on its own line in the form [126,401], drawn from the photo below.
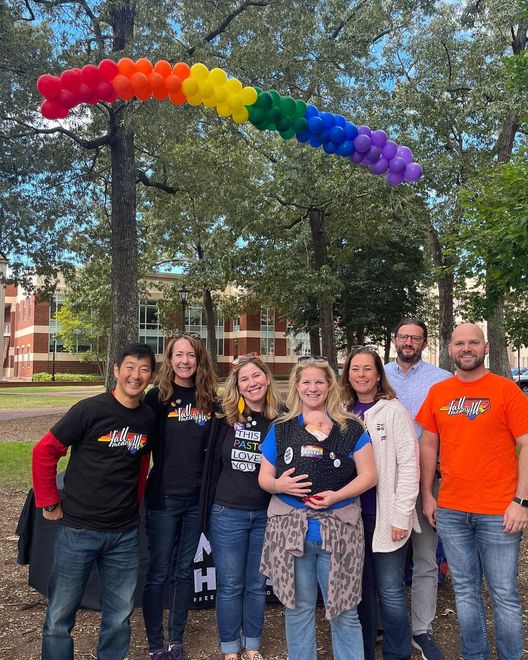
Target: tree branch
[86,144]
[142,177]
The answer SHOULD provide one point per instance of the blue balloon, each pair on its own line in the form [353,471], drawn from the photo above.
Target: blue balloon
[337,134]
[329,148]
[346,148]
[303,136]
[351,131]
[315,125]
[328,120]
[311,111]
[324,137]
[340,121]
[314,141]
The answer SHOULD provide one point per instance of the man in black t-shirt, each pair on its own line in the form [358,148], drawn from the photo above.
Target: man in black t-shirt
[109,439]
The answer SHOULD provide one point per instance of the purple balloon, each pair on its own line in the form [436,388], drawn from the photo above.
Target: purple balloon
[356,157]
[364,130]
[373,154]
[362,143]
[380,166]
[406,154]
[378,138]
[413,172]
[389,149]
[394,178]
[397,165]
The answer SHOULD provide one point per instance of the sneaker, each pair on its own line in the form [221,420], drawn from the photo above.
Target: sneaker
[158,655]
[426,644]
[176,653]
[257,656]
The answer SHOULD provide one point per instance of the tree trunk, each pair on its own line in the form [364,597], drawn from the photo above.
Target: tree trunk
[315,341]
[124,315]
[210,319]
[388,340]
[125,302]
[326,317]
[446,283]
[498,353]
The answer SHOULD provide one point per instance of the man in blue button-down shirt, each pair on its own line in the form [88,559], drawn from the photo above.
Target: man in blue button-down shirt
[411,379]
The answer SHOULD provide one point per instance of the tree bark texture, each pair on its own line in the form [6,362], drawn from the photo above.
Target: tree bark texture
[446,283]
[210,320]
[317,228]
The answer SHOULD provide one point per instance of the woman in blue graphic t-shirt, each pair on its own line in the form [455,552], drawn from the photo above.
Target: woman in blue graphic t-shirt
[314,533]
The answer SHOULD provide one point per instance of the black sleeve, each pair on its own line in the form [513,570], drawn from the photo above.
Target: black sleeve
[211,470]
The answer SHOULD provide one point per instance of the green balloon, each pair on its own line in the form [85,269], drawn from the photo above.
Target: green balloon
[288,106]
[299,124]
[270,126]
[264,101]
[275,115]
[300,108]
[284,124]
[287,135]
[258,90]
[256,115]
[276,97]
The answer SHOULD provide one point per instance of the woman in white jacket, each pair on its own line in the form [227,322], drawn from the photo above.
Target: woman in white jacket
[388,510]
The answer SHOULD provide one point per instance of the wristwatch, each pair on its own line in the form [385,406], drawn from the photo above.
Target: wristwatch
[521,500]
[52,507]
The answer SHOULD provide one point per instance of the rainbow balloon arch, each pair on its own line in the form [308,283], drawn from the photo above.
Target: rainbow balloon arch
[266,110]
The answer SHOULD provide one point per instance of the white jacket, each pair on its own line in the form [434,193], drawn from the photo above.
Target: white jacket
[398,466]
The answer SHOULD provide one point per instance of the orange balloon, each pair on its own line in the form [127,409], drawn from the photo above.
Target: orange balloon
[144,95]
[140,83]
[144,66]
[126,66]
[157,81]
[123,87]
[178,98]
[181,70]
[174,84]
[163,67]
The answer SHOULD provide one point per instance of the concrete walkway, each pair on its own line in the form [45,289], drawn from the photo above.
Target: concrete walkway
[17,413]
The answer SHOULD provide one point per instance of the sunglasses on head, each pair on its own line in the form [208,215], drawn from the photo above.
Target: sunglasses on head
[312,358]
[182,333]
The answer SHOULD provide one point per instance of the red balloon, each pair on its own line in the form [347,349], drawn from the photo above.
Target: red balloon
[178,98]
[181,70]
[105,92]
[174,84]
[123,87]
[68,99]
[163,67]
[144,94]
[88,94]
[159,88]
[108,70]
[91,75]
[51,109]
[49,86]
[71,79]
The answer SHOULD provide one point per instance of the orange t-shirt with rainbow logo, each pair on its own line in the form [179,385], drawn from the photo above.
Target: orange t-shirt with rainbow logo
[477,424]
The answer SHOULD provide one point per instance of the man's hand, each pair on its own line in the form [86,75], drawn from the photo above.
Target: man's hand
[515,518]
[429,509]
[56,514]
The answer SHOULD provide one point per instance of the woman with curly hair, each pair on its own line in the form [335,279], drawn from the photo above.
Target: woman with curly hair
[314,533]
[183,399]
[233,506]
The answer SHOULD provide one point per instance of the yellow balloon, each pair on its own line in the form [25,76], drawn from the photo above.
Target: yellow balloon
[210,102]
[199,71]
[194,100]
[218,77]
[206,89]
[234,86]
[223,110]
[220,94]
[249,95]
[190,87]
[240,116]
[234,101]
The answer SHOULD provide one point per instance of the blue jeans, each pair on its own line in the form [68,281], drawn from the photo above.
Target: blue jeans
[173,537]
[476,546]
[236,538]
[383,582]
[347,640]
[76,551]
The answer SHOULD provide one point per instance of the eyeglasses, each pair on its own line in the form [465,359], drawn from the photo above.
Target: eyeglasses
[312,358]
[416,339]
[250,357]
[366,347]
[181,333]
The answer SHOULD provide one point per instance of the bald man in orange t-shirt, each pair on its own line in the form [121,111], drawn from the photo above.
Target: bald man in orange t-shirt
[479,422]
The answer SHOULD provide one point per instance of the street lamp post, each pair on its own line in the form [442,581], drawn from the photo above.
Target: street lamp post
[54,339]
[183,293]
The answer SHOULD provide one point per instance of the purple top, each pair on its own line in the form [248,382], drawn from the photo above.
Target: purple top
[368,498]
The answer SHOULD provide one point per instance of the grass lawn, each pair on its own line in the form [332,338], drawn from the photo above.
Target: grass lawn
[32,389]
[18,401]
[15,464]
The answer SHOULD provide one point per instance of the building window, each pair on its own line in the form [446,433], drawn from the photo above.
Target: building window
[150,331]
[196,322]
[54,325]
[298,344]
[28,352]
[267,331]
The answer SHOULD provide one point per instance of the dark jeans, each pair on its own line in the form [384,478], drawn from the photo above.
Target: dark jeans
[173,537]
[76,551]
[383,582]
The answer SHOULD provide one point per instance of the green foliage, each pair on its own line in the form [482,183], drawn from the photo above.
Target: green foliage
[44,377]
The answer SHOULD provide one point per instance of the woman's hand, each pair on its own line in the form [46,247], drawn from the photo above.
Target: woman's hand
[322,500]
[296,486]
[398,534]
